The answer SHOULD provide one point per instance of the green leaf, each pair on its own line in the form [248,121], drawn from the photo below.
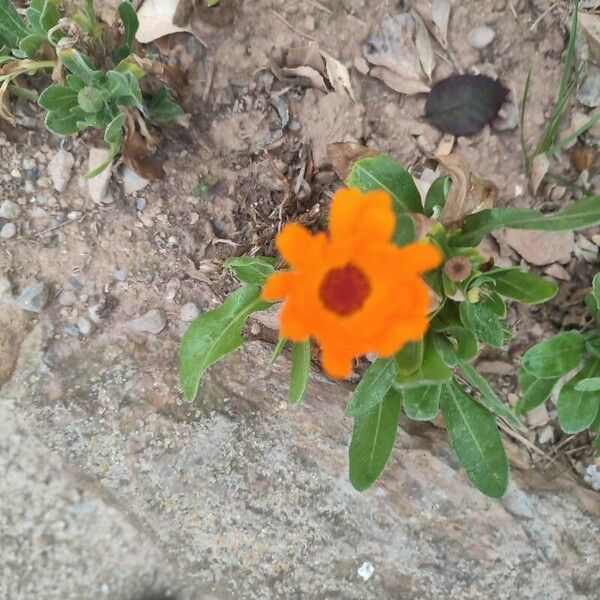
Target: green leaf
[525,287]
[494,302]
[131,25]
[50,15]
[75,83]
[373,386]
[373,439]
[454,343]
[556,356]
[129,66]
[592,300]
[476,440]
[436,196]
[488,398]
[278,349]
[483,322]
[589,385]
[113,135]
[12,27]
[433,370]
[251,269]
[63,123]
[534,391]
[577,410]
[90,99]
[116,87]
[57,98]
[215,334]
[31,43]
[162,108]
[592,344]
[382,173]
[581,214]
[300,371]
[422,403]
[77,64]
[410,358]
[405,232]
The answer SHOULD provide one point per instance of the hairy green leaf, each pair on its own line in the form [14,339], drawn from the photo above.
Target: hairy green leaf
[410,358]
[433,369]
[480,319]
[12,27]
[525,287]
[382,173]
[373,386]
[373,439]
[215,334]
[422,403]
[300,371]
[577,410]
[281,342]
[404,233]
[162,108]
[534,391]
[254,270]
[58,98]
[476,440]
[589,385]
[77,64]
[581,214]
[436,196]
[556,356]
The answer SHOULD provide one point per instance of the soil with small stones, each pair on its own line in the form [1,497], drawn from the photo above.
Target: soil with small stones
[232,179]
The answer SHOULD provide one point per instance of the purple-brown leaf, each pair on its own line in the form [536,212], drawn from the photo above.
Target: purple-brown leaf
[463,104]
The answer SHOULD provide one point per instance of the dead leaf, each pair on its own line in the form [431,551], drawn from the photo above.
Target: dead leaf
[156,20]
[584,158]
[343,155]
[136,151]
[219,15]
[314,78]
[539,167]
[393,47]
[306,56]
[446,144]
[436,16]
[338,75]
[468,193]
[508,117]
[5,112]
[399,83]
[423,44]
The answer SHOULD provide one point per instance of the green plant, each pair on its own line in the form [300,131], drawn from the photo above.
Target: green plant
[433,373]
[567,364]
[100,87]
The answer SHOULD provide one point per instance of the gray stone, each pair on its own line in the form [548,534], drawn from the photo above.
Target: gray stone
[8,230]
[84,325]
[98,186]
[246,497]
[67,298]
[153,321]
[132,182]
[60,168]
[34,297]
[9,210]
[588,92]
[121,274]
[5,287]
[480,37]
[189,312]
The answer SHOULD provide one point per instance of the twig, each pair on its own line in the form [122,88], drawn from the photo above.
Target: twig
[210,73]
[319,6]
[288,24]
[543,15]
[521,438]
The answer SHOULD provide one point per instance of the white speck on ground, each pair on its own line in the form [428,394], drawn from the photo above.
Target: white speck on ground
[366,570]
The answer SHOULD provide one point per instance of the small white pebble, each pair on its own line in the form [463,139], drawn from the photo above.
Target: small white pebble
[8,231]
[366,570]
[189,312]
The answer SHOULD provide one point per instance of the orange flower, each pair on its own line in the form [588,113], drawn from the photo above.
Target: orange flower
[353,291]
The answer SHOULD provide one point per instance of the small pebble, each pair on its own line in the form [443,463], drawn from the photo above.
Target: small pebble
[60,168]
[67,298]
[140,204]
[34,297]
[546,435]
[9,210]
[8,231]
[121,274]
[538,416]
[189,312]
[5,287]
[366,570]
[72,330]
[132,182]
[84,325]
[480,37]
[153,321]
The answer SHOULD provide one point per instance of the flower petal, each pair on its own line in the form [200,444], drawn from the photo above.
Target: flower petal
[419,257]
[393,338]
[366,216]
[291,324]
[336,363]
[295,243]
[278,286]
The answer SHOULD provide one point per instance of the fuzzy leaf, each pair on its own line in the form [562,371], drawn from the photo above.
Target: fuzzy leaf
[215,334]
[480,319]
[162,108]
[422,403]
[433,369]
[463,104]
[77,64]
[577,410]
[410,358]
[556,356]
[57,98]
[253,270]
[382,173]
[300,371]
[524,287]
[373,439]
[12,27]
[534,391]
[476,440]
[436,196]
[373,386]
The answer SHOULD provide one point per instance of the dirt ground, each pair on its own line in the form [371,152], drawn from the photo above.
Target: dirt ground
[229,187]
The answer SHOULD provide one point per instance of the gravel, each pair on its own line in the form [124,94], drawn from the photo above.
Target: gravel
[9,210]
[34,297]
[154,321]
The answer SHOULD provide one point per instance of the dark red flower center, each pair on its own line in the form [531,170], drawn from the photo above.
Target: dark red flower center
[344,290]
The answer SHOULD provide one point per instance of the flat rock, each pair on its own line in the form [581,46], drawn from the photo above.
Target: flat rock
[153,321]
[34,297]
[588,92]
[541,247]
[480,37]
[60,168]
[132,182]
[189,312]
[558,272]
[98,186]
[8,230]
[9,210]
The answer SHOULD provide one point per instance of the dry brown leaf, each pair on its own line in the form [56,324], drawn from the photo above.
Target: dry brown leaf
[343,155]
[446,144]
[399,83]
[393,46]
[156,20]
[539,168]
[338,75]
[136,151]
[314,78]
[306,56]
[590,25]
[423,44]
[5,112]
[436,15]
[468,193]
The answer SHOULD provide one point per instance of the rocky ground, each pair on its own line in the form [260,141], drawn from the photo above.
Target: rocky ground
[115,487]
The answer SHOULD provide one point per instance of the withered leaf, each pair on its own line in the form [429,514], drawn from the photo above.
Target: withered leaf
[308,74]
[343,155]
[464,104]
[136,153]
